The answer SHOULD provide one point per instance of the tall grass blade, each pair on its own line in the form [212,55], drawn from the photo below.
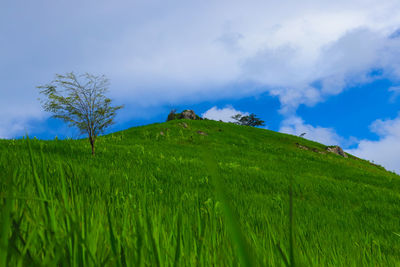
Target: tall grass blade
[291,240]
[282,253]
[153,241]
[6,221]
[178,241]
[232,220]
[112,236]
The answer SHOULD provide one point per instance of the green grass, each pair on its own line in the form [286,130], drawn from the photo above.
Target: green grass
[185,199]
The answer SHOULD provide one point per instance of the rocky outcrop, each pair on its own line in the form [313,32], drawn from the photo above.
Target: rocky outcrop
[186,114]
[337,150]
[332,149]
[189,115]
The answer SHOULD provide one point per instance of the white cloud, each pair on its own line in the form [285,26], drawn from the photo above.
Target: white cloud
[159,52]
[224,114]
[395,94]
[295,125]
[384,151]
[16,120]
[10,128]
[283,51]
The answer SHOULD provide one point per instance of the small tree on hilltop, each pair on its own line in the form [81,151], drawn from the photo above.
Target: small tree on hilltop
[250,120]
[80,101]
[171,115]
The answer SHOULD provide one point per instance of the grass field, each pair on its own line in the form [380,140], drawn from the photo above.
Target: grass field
[164,195]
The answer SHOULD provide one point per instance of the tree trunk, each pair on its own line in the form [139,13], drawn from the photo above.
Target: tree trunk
[92,145]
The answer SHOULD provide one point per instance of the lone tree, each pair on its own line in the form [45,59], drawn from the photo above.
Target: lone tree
[80,101]
[250,120]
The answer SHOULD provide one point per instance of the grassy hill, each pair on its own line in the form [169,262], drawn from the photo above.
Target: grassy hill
[166,195]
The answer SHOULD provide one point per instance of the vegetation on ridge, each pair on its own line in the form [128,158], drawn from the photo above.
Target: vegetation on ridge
[248,120]
[185,199]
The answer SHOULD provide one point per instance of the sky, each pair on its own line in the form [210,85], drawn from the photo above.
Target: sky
[330,69]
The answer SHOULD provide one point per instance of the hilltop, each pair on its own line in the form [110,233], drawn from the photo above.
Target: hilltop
[150,197]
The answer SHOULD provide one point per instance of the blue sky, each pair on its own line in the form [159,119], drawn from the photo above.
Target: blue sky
[327,68]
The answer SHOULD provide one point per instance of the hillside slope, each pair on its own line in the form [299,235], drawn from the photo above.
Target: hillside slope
[148,198]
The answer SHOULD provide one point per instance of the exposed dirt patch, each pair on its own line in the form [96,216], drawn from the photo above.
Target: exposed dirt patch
[202,133]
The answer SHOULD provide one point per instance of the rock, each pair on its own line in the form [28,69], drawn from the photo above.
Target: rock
[337,150]
[186,114]
[189,115]
[315,150]
[302,147]
[183,124]
[161,133]
[202,133]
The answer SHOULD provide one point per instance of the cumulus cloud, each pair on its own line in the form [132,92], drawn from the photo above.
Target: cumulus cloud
[223,114]
[158,52]
[295,125]
[384,151]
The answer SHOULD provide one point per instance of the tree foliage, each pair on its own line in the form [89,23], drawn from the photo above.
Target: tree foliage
[80,101]
[171,115]
[250,120]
